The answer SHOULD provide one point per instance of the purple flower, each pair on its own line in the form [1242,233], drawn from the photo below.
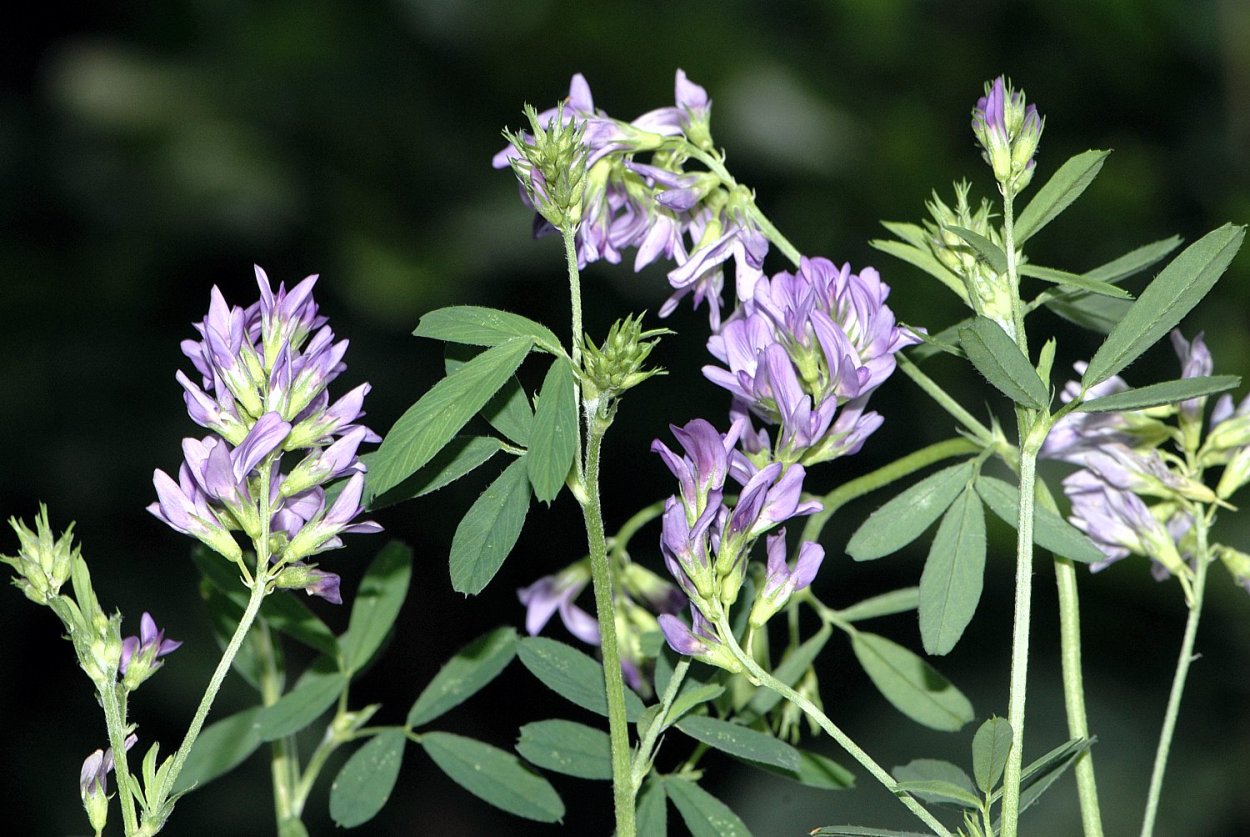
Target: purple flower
[718,238]
[148,647]
[810,344]
[559,592]
[701,472]
[268,368]
[782,580]
[700,640]
[93,778]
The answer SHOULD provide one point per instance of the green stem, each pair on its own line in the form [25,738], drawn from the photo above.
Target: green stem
[575,307]
[881,477]
[646,747]
[601,577]
[620,541]
[978,430]
[1074,693]
[812,711]
[283,765]
[1020,627]
[214,686]
[1013,271]
[1178,681]
[115,720]
[316,761]
[717,167]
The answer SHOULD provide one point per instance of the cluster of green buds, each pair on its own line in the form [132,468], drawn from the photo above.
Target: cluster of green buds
[988,292]
[551,164]
[44,563]
[616,365]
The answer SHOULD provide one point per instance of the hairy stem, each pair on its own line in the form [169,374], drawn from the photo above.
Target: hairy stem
[1074,693]
[283,763]
[601,577]
[115,720]
[646,747]
[978,430]
[1178,680]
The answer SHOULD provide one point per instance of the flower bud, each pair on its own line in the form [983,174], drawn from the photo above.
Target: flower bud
[43,563]
[551,166]
[617,365]
[311,580]
[1009,132]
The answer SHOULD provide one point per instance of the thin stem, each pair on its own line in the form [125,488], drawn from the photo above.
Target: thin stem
[812,711]
[620,541]
[214,685]
[115,720]
[1178,681]
[1074,693]
[283,765]
[646,747]
[316,761]
[575,307]
[717,167]
[601,577]
[978,430]
[1020,628]
[1013,272]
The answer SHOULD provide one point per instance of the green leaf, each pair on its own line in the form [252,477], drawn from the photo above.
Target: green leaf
[567,747]
[913,234]
[365,782]
[950,586]
[1040,774]
[925,260]
[1073,280]
[945,341]
[990,748]
[477,326]
[913,686]
[1165,301]
[490,529]
[1134,261]
[428,425]
[314,693]
[704,814]
[652,813]
[740,741]
[903,519]
[934,780]
[886,604]
[462,455]
[508,410]
[221,747]
[1167,392]
[999,359]
[989,252]
[573,675]
[382,593]
[935,790]
[461,677]
[554,438]
[292,828]
[1050,531]
[691,694]
[817,771]
[1096,313]
[858,831]
[1064,186]
[493,776]
[791,669]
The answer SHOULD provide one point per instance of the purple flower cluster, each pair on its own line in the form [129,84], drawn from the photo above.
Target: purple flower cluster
[805,352]
[706,543]
[262,391]
[688,218]
[1131,495]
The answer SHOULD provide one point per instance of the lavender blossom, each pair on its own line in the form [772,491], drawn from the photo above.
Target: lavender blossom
[782,581]
[268,367]
[807,345]
[148,647]
[558,592]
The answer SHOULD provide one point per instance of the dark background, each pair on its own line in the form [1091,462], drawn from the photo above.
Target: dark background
[149,151]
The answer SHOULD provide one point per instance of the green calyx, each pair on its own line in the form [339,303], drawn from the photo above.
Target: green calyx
[617,364]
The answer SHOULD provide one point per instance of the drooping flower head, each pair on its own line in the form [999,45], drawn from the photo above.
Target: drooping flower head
[264,373]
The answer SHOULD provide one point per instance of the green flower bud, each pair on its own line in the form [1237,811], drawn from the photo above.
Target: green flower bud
[551,167]
[43,563]
[617,365]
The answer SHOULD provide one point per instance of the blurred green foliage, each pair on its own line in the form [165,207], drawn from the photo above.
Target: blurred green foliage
[149,151]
